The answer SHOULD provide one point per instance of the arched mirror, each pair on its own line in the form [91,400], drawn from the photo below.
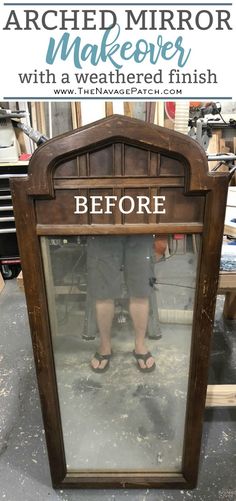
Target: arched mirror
[119,226]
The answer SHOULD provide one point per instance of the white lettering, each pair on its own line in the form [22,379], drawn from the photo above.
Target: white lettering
[121,204]
[126,204]
[96,202]
[159,204]
[80,202]
[109,203]
[143,203]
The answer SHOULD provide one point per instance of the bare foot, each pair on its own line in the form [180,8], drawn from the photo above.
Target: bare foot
[145,361]
[100,363]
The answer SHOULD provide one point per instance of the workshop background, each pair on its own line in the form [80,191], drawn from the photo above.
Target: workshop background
[24,470]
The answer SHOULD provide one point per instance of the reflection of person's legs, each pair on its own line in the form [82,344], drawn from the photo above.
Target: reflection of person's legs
[139,312]
[105,314]
[104,259]
[138,262]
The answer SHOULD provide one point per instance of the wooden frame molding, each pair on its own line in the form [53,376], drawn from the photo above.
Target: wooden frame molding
[122,155]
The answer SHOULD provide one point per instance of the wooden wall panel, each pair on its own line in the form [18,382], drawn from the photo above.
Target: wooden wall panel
[181,208]
[171,167]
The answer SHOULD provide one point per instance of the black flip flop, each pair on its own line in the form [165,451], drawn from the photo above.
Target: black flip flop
[100,358]
[144,357]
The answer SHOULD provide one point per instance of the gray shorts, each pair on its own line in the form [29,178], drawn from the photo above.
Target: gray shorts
[110,255]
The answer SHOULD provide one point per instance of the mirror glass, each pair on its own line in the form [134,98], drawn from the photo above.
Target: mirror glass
[129,298]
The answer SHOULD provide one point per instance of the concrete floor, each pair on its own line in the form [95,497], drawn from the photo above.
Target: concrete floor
[123,419]
[24,471]
[126,419]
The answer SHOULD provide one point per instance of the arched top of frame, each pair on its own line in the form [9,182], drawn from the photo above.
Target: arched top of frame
[104,134]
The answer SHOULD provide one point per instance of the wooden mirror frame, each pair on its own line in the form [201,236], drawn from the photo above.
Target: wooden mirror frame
[35,195]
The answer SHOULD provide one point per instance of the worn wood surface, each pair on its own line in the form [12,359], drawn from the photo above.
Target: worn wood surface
[34,285]
[124,151]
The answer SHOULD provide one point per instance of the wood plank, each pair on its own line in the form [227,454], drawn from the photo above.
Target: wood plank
[128,109]
[43,119]
[223,147]
[61,118]
[2,283]
[230,306]
[73,115]
[139,110]
[38,115]
[221,395]
[119,182]
[116,229]
[20,136]
[19,163]
[151,110]
[159,114]
[34,122]
[213,149]
[230,230]
[20,281]
[227,281]
[218,133]
[78,114]
[109,108]
[49,110]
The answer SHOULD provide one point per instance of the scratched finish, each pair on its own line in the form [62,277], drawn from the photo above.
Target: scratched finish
[154,143]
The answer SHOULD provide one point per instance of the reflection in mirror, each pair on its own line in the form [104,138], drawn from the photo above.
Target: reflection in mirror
[131,299]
